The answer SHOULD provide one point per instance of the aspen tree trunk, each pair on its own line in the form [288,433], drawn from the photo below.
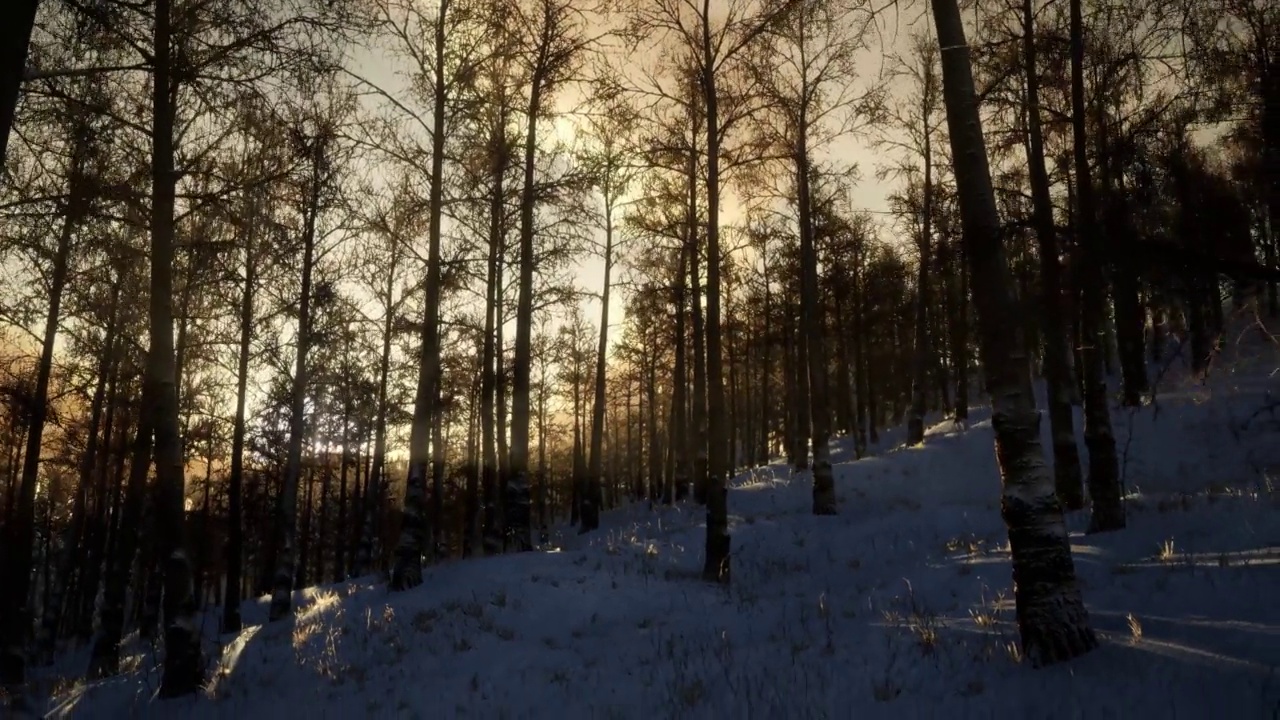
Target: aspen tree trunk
[921,359]
[485,535]
[1129,313]
[100,523]
[18,19]
[861,376]
[1104,475]
[437,486]
[716,567]
[766,372]
[183,671]
[231,621]
[655,449]
[960,339]
[104,659]
[516,492]
[340,533]
[699,414]
[375,479]
[592,496]
[824,489]
[1052,620]
[1057,366]
[406,572]
[287,506]
[801,370]
[326,493]
[679,431]
[358,492]
[544,477]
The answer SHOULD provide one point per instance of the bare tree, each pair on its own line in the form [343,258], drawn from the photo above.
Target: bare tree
[1052,619]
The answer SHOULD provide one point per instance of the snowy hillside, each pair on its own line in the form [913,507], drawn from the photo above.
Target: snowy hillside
[897,607]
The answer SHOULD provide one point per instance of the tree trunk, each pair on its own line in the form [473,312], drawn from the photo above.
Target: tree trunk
[231,621]
[862,377]
[824,489]
[699,414]
[592,496]
[716,567]
[679,432]
[485,526]
[1124,277]
[960,336]
[437,486]
[375,483]
[921,358]
[655,449]
[108,511]
[287,507]
[1104,481]
[1057,367]
[406,573]
[18,21]
[340,533]
[516,493]
[183,669]
[1052,619]
[104,659]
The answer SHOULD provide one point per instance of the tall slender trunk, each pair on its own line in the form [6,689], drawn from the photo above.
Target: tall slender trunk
[1052,619]
[824,489]
[19,20]
[406,572]
[437,486]
[340,533]
[486,526]
[183,670]
[801,397]
[679,437]
[766,369]
[516,491]
[544,498]
[324,457]
[922,357]
[100,535]
[1124,277]
[375,483]
[487,533]
[960,337]
[591,497]
[203,551]
[1057,367]
[231,621]
[699,414]
[1104,477]
[716,567]
[655,448]
[578,464]
[104,659]
[861,379]
[287,508]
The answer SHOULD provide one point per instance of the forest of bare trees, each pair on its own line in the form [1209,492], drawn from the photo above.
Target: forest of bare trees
[303,290]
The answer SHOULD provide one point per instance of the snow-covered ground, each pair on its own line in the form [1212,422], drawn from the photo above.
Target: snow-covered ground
[899,607]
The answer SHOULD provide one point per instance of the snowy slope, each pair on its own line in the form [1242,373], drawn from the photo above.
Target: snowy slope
[898,607]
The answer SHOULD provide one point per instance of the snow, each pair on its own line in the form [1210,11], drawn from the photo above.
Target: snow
[900,606]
